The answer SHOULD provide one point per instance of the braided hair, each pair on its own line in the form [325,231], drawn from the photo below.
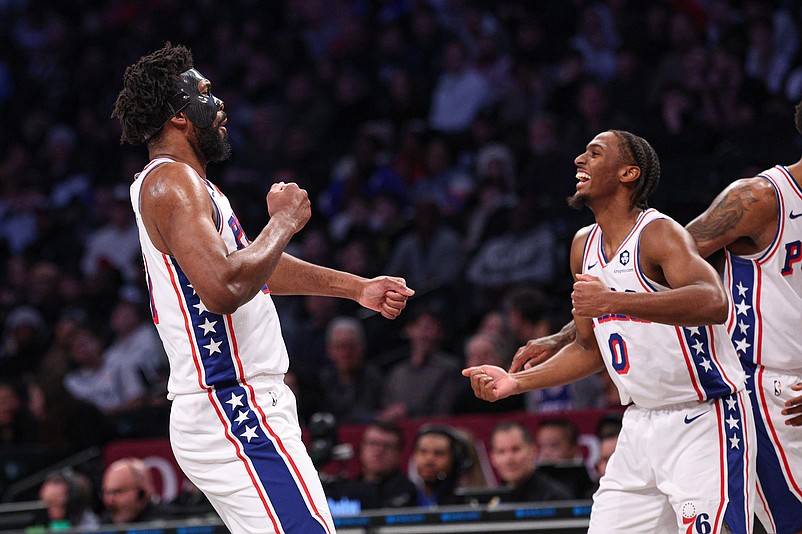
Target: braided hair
[147,85]
[641,154]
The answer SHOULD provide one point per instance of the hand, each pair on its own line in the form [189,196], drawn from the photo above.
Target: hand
[385,294]
[590,298]
[536,351]
[491,383]
[793,408]
[291,201]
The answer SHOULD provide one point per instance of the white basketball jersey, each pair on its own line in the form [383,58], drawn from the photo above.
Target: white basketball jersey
[207,349]
[655,364]
[766,288]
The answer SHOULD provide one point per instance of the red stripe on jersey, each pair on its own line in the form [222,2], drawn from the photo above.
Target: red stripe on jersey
[688,363]
[722,444]
[241,456]
[743,400]
[181,303]
[275,437]
[775,440]
[712,337]
[766,509]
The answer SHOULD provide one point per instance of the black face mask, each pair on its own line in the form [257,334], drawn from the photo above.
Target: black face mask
[200,109]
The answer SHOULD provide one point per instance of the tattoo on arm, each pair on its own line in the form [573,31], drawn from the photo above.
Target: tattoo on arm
[724,216]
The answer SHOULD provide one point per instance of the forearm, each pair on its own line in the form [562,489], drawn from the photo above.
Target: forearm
[293,276]
[692,305]
[572,363]
[250,267]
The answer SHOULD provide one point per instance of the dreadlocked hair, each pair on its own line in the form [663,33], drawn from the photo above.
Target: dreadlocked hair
[641,153]
[147,85]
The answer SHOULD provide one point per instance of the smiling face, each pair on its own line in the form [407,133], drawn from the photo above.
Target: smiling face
[600,170]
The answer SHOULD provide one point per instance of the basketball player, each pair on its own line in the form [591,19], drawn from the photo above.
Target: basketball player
[643,303]
[233,424]
[757,222]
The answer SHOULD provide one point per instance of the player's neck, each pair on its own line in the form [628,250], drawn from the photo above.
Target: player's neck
[616,226]
[186,156]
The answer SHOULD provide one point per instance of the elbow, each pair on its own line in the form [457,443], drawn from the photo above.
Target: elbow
[718,309]
[224,301]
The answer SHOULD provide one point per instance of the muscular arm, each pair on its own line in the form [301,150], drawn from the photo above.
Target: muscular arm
[667,255]
[384,294]
[180,219]
[741,218]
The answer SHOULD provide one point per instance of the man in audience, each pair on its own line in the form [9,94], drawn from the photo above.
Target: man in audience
[513,454]
[423,382]
[381,484]
[68,497]
[440,456]
[350,386]
[559,456]
[129,495]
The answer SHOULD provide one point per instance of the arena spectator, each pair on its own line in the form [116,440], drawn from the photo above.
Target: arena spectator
[559,456]
[351,386]
[381,482]
[68,497]
[422,383]
[129,495]
[513,454]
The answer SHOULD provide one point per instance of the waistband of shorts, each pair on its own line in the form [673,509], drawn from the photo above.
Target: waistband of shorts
[258,378]
[678,407]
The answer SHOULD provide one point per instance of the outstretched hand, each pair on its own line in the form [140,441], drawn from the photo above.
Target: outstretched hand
[385,294]
[793,408]
[490,383]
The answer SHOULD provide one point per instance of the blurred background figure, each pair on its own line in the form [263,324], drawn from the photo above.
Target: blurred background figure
[485,349]
[426,379]
[440,456]
[129,495]
[350,387]
[559,456]
[68,497]
[381,482]
[513,454]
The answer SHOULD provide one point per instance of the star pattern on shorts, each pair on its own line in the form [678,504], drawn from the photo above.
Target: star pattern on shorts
[743,307]
[693,330]
[706,364]
[235,400]
[243,416]
[213,347]
[743,327]
[250,433]
[741,345]
[200,307]
[208,326]
[731,404]
[699,347]
[742,289]
[735,442]
[732,422]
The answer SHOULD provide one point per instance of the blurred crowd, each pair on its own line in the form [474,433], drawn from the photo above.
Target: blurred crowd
[436,139]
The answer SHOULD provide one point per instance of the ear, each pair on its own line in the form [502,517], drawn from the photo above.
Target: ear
[179,121]
[630,174]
